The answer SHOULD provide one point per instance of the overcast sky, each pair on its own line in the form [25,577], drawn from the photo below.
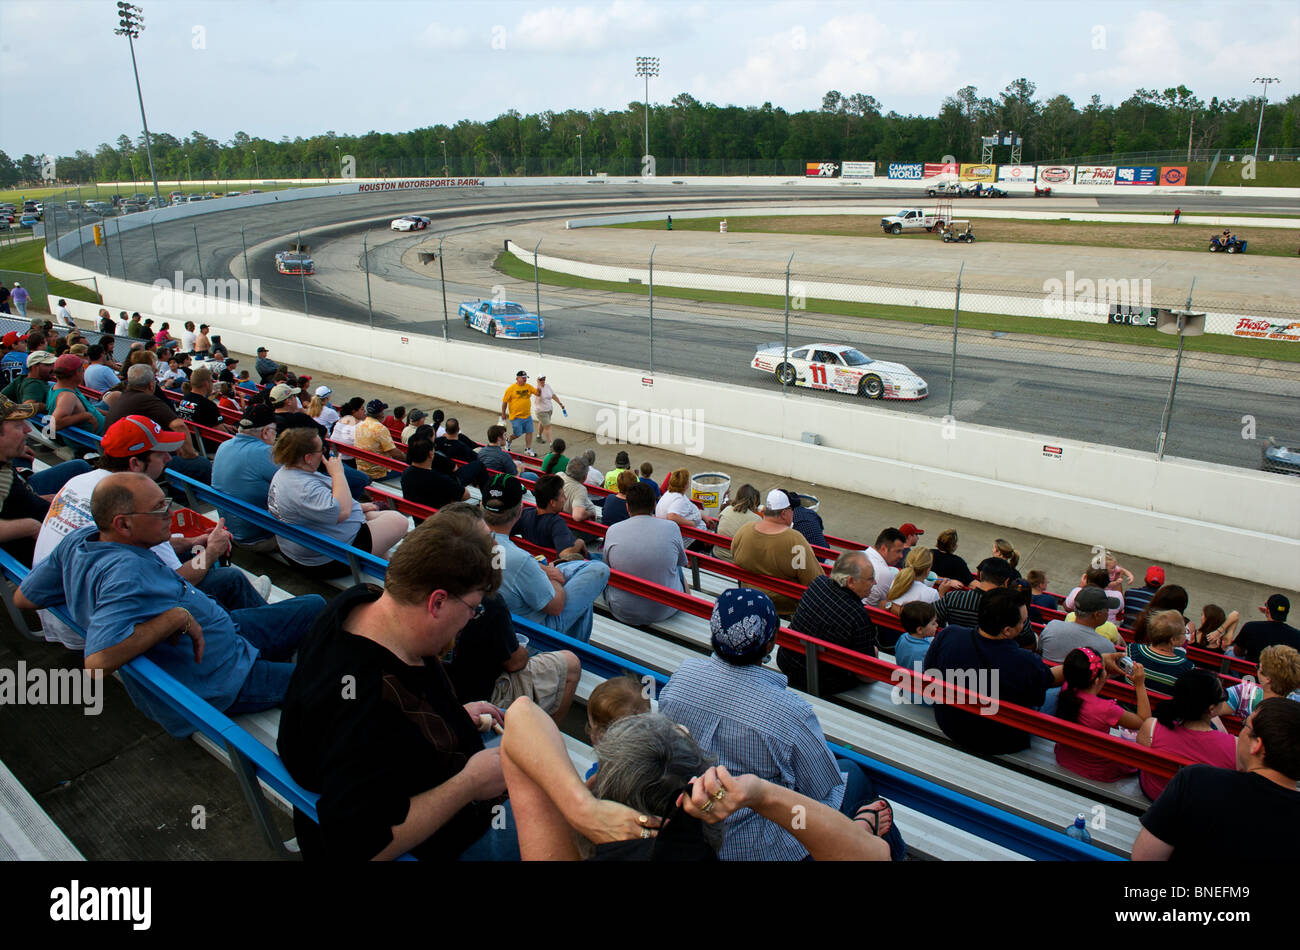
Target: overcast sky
[279,67]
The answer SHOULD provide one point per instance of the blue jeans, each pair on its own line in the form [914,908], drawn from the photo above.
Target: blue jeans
[860,791]
[583,583]
[497,844]
[198,468]
[55,477]
[276,631]
[357,482]
[229,587]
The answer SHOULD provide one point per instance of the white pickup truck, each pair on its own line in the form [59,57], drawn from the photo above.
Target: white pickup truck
[910,219]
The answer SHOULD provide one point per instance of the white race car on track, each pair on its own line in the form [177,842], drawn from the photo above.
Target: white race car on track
[410,222]
[841,368]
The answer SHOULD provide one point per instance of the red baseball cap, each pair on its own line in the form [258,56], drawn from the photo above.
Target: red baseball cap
[910,528]
[1155,574]
[67,365]
[135,435]
[11,338]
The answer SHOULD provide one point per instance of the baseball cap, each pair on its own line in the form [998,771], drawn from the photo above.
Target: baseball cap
[67,364]
[908,528]
[1277,606]
[282,391]
[415,415]
[39,358]
[375,407]
[1155,574]
[11,411]
[1092,599]
[323,391]
[521,373]
[262,349]
[135,435]
[743,623]
[503,493]
[11,338]
[256,416]
[777,500]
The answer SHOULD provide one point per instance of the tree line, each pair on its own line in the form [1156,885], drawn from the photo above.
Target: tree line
[704,138]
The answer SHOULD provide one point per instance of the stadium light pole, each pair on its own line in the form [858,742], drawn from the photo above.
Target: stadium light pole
[130,24]
[647,66]
[257,170]
[1264,80]
[445,173]
[579,154]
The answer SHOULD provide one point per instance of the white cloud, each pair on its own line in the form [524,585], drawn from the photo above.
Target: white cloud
[585,28]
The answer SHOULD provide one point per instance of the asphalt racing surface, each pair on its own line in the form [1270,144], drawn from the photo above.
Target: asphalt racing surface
[1109,395]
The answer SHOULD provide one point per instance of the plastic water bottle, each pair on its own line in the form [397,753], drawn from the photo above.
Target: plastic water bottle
[1079,830]
[565,411]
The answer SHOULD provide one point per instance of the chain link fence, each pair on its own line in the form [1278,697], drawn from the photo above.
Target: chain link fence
[1062,358]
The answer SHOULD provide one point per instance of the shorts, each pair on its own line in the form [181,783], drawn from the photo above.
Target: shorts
[542,681]
[519,426]
[543,418]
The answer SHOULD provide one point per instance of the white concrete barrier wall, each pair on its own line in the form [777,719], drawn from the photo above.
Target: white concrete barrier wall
[1072,303]
[1214,518]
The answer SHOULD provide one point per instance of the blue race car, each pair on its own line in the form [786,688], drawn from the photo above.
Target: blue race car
[501,318]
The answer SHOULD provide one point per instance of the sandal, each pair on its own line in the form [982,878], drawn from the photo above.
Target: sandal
[871,816]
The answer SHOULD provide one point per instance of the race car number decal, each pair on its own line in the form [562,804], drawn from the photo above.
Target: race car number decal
[818,373]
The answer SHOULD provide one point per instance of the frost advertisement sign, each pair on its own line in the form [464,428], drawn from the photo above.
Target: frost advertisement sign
[1094,175]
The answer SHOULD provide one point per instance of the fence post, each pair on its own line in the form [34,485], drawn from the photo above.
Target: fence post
[956,309]
[785,355]
[198,254]
[157,258]
[302,276]
[365,257]
[442,279]
[537,290]
[652,310]
[1167,416]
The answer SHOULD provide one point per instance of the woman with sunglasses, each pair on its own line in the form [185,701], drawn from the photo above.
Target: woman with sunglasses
[321,502]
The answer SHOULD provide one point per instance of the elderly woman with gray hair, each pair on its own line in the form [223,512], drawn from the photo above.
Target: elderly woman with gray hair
[655,797]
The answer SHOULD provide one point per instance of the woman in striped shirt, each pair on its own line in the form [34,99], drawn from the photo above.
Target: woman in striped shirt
[1162,654]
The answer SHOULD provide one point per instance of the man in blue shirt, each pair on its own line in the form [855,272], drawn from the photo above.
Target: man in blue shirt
[243,468]
[561,596]
[130,604]
[742,713]
[99,375]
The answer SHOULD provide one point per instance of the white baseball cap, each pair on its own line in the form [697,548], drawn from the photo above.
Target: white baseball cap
[777,500]
[323,391]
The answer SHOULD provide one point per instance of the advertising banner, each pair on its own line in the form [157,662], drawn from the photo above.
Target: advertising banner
[1173,175]
[1137,175]
[1094,175]
[858,170]
[1056,174]
[1016,173]
[935,169]
[905,171]
[979,172]
[1262,329]
[820,169]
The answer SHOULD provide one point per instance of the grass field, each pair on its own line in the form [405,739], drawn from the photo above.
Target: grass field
[512,266]
[1271,242]
[29,256]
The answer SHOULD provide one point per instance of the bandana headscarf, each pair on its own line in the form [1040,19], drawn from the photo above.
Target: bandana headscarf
[743,622]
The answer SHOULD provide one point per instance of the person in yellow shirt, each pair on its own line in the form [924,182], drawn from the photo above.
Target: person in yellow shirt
[373,436]
[621,464]
[517,407]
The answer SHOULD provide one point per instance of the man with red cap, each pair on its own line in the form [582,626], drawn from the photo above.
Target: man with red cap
[911,534]
[1137,598]
[66,403]
[138,444]
[14,362]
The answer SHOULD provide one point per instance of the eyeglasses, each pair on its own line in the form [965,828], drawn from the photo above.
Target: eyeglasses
[474,611]
[163,512]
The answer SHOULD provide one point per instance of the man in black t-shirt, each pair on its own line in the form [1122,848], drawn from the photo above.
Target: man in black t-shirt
[544,524]
[1258,634]
[427,480]
[1207,814]
[197,407]
[455,444]
[372,723]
